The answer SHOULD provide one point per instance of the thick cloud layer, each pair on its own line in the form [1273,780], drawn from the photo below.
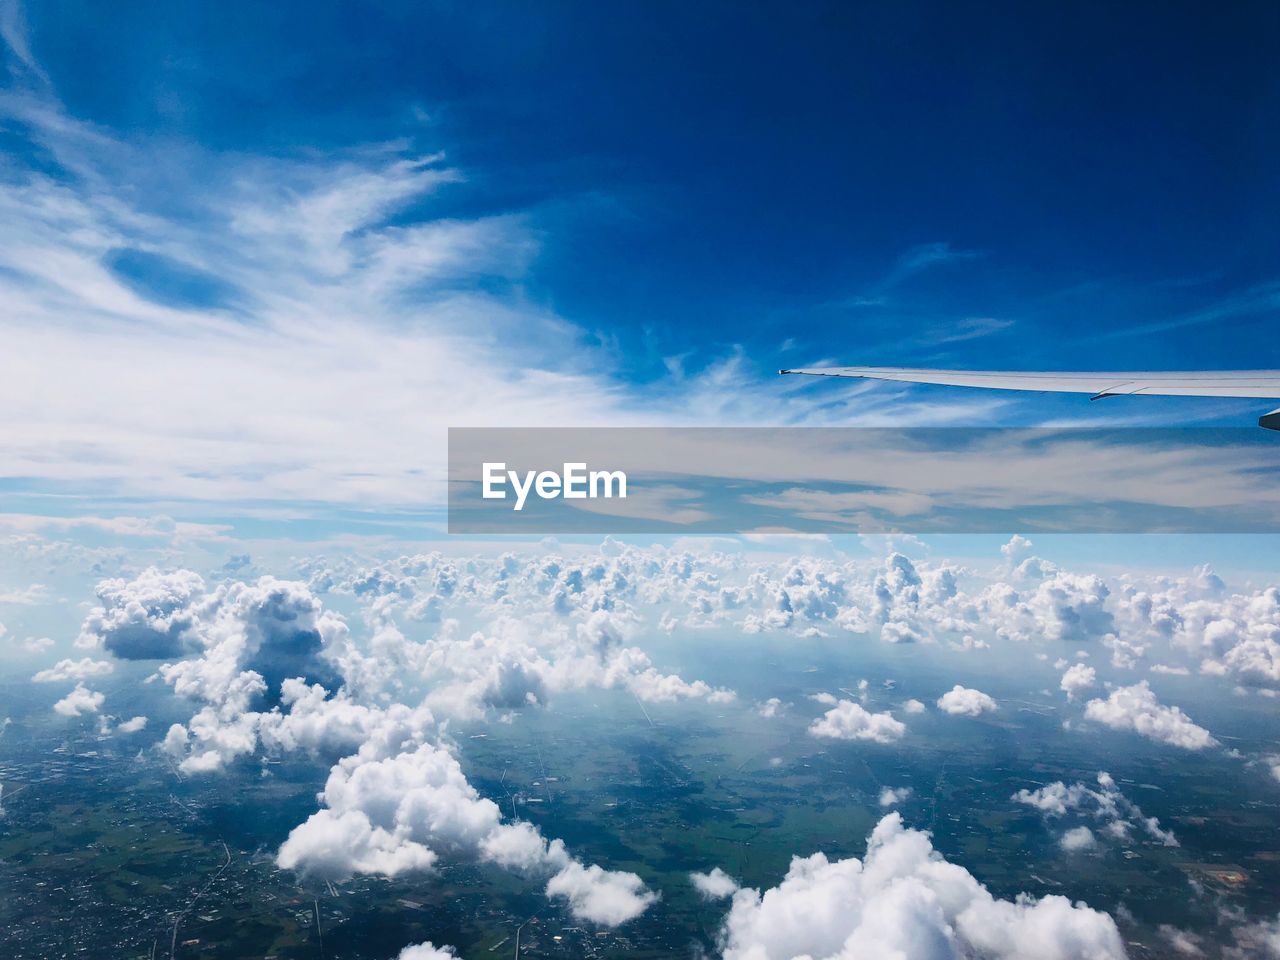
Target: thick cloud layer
[1165,624]
[904,901]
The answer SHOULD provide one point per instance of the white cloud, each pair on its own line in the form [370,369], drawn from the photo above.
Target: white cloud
[1016,549]
[1236,634]
[426,951]
[890,796]
[1118,815]
[1073,608]
[82,669]
[134,725]
[1077,840]
[325,283]
[606,897]
[394,814]
[966,702]
[1184,943]
[850,721]
[1259,940]
[905,900]
[1136,708]
[143,618]
[242,645]
[79,701]
[30,596]
[654,687]
[716,885]
[1077,679]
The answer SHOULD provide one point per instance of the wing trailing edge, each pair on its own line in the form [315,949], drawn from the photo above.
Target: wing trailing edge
[1252,384]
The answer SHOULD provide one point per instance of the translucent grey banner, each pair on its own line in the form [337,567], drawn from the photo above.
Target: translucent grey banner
[858,480]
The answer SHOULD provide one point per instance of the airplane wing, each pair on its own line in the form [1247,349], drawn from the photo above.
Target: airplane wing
[1258,384]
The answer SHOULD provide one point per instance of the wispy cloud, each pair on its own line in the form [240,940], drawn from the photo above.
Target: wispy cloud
[192,325]
[1255,302]
[13,31]
[925,257]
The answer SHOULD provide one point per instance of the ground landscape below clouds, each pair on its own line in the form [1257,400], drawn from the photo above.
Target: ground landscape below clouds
[650,750]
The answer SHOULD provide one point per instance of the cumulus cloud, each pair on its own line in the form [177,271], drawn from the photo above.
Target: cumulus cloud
[1078,839]
[606,897]
[257,634]
[553,622]
[1119,815]
[145,618]
[903,599]
[904,900]
[1056,606]
[716,885]
[1073,607]
[235,647]
[653,686]
[1016,549]
[397,813]
[82,669]
[966,702]
[1077,679]
[850,721]
[1136,708]
[770,708]
[426,951]
[79,701]
[134,725]
[893,795]
[1234,634]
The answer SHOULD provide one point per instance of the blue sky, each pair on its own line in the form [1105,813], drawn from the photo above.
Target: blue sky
[724,173]
[610,213]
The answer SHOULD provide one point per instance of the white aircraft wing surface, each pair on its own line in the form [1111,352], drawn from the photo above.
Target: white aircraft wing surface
[1259,384]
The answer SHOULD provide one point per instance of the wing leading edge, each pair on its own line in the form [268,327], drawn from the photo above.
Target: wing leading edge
[1254,384]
